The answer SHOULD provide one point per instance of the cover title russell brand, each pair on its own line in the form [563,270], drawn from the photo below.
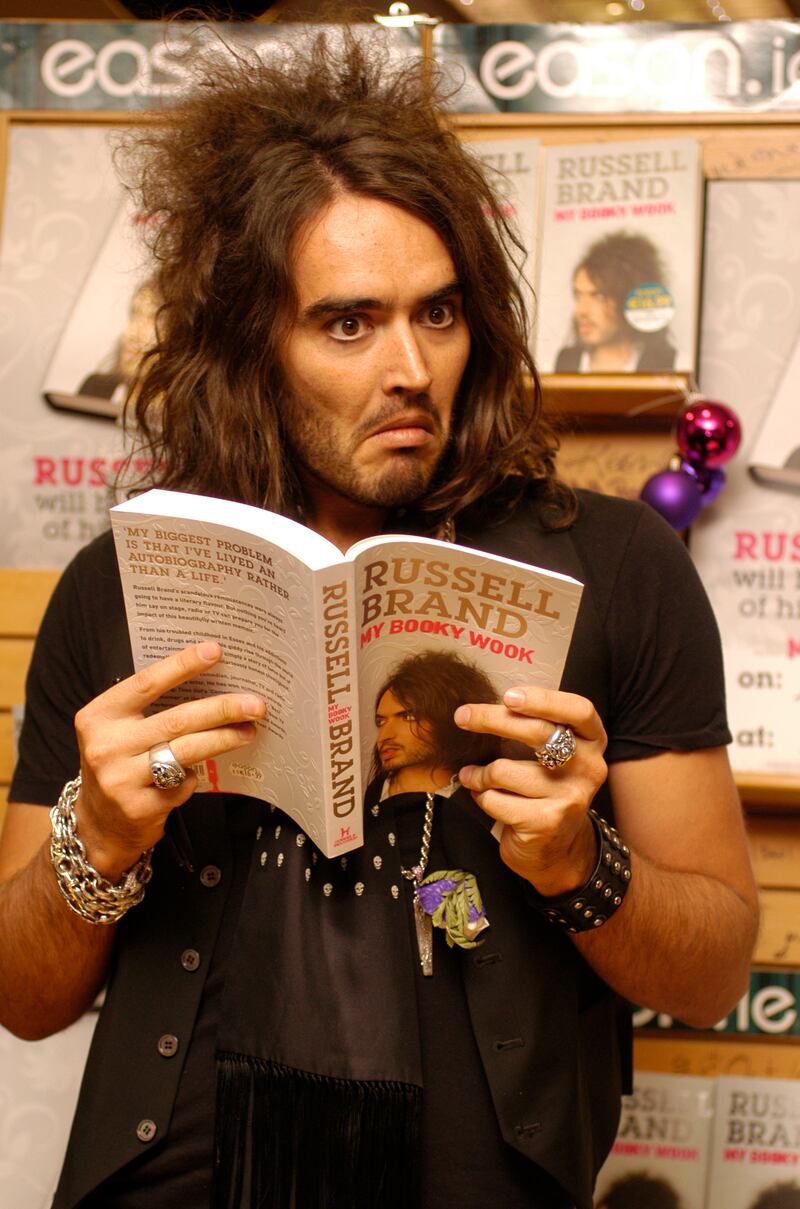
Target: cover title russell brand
[488,600]
[338,680]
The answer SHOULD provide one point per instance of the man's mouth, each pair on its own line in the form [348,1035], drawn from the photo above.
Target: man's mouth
[406,429]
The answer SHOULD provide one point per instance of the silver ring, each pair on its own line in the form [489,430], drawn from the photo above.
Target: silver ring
[558,750]
[166,769]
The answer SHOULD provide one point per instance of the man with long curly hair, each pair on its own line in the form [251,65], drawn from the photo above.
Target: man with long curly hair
[341,339]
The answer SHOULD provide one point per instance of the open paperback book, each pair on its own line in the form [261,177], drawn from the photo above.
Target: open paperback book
[319,633]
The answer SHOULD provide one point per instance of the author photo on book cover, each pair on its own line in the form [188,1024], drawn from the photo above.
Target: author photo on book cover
[607,336]
[418,744]
[443,1015]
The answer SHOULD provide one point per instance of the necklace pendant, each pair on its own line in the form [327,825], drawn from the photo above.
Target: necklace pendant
[424,926]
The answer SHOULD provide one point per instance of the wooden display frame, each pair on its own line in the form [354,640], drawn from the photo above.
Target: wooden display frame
[762,146]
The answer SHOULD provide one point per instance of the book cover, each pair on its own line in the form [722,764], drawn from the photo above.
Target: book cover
[619,278]
[321,634]
[755,1160]
[663,1145]
[512,166]
[111,324]
[774,459]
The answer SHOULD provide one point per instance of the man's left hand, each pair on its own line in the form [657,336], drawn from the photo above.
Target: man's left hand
[547,835]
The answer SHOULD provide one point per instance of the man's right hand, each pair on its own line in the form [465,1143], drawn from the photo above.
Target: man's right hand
[120,812]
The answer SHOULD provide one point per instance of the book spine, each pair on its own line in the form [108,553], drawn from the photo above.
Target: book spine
[340,758]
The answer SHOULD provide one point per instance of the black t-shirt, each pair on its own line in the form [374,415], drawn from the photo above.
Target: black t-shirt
[659,686]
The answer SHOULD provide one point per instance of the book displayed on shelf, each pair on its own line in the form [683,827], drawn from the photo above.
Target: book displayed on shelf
[319,634]
[755,1154]
[775,455]
[512,166]
[111,324]
[663,1144]
[619,269]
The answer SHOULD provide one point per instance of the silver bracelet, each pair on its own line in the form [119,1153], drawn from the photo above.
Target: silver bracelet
[86,891]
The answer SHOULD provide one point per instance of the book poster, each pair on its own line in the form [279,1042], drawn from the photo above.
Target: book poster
[619,279]
[755,1160]
[747,548]
[660,1156]
[75,313]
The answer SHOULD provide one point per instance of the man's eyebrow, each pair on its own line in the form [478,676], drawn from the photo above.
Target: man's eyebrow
[332,305]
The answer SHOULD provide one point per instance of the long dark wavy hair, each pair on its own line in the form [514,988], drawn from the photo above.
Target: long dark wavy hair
[226,179]
[432,685]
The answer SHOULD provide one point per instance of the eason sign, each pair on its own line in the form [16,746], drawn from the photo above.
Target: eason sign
[86,66]
[638,68]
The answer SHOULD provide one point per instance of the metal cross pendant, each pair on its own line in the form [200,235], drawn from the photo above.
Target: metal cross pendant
[424,926]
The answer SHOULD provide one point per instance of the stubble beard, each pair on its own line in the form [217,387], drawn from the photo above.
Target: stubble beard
[317,446]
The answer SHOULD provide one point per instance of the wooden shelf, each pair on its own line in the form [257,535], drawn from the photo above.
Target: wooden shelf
[644,402]
[771,792]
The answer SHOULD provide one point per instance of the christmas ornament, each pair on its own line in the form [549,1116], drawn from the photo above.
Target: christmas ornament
[675,495]
[708,433]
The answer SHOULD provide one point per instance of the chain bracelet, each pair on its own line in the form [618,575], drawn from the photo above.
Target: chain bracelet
[86,891]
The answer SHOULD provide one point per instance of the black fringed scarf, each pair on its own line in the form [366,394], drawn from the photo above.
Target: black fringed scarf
[319,1091]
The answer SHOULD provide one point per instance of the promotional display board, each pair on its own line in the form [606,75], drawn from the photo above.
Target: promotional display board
[747,548]
[62,202]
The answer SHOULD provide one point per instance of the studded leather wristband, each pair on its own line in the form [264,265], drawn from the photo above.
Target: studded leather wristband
[590,906]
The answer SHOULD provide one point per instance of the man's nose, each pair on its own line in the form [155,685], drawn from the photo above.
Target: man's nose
[407,370]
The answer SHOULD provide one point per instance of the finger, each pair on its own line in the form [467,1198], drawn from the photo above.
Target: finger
[139,691]
[523,777]
[533,727]
[194,717]
[562,709]
[207,745]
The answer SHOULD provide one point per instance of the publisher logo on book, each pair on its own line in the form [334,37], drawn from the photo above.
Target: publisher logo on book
[346,836]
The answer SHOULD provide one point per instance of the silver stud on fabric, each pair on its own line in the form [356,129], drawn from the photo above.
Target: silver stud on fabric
[278,832]
[327,889]
[300,840]
[263,859]
[359,888]
[377,862]
[395,891]
[308,874]
[280,859]
[392,838]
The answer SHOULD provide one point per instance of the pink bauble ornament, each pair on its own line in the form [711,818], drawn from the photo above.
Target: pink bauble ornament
[708,433]
[675,495]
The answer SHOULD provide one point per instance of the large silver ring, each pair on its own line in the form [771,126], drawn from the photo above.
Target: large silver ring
[558,749]
[167,771]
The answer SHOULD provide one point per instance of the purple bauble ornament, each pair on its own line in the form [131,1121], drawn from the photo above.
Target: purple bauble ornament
[708,433]
[709,480]
[675,495]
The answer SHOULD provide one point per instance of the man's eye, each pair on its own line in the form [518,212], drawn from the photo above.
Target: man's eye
[442,314]
[349,327]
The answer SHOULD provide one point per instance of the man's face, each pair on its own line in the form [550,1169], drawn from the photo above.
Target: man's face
[403,740]
[597,317]
[375,354]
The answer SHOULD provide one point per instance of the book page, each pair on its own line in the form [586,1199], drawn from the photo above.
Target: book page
[188,581]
